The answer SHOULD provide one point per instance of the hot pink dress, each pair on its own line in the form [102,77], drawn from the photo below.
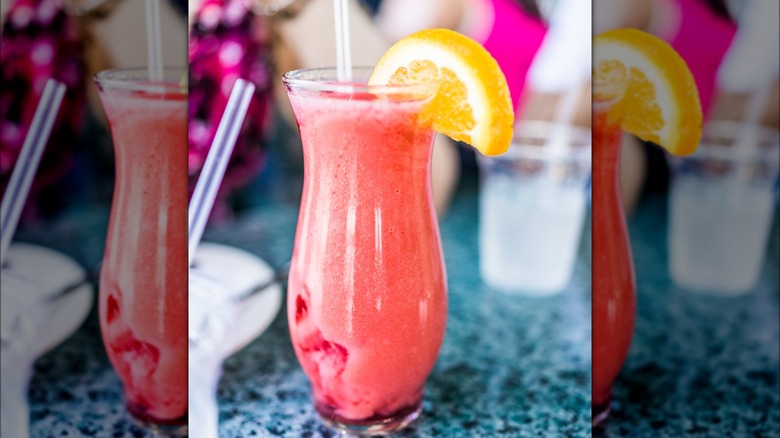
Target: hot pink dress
[514,39]
[702,39]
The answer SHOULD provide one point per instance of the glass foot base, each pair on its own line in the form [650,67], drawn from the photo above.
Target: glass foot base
[172,428]
[377,425]
[600,412]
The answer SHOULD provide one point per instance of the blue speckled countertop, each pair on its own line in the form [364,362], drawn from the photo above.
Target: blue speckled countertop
[699,366]
[509,366]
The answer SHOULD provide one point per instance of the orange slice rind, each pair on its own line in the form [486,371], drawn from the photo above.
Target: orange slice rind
[473,104]
[654,93]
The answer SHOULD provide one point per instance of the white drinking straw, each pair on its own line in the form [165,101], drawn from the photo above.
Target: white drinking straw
[756,45]
[748,142]
[343,50]
[561,66]
[216,162]
[27,163]
[558,139]
[154,40]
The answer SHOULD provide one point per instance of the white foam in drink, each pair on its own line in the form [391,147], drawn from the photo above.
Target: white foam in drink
[718,234]
[529,233]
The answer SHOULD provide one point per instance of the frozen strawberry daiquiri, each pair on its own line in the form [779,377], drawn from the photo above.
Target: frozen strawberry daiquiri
[367,299]
[143,281]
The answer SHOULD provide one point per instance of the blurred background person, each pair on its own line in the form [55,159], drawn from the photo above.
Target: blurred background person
[702,32]
[40,40]
[228,41]
[511,30]
[71,40]
[273,42]
[259,40]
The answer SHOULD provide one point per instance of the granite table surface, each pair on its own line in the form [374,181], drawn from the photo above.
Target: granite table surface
[699,365]
[509,366]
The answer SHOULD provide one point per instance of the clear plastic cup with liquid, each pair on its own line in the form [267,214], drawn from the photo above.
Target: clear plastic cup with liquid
[532,204]
[721,204]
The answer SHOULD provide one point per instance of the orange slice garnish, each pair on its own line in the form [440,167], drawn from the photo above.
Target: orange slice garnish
[473,103]
[654,93]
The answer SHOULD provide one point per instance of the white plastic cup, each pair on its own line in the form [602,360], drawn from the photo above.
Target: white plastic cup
[721,204]
[532,206]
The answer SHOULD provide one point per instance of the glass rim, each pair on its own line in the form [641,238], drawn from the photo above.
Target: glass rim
[137,79]
[537,129]
[325,79]
[731,129]
[720,139]
[528,153]
[522,147]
